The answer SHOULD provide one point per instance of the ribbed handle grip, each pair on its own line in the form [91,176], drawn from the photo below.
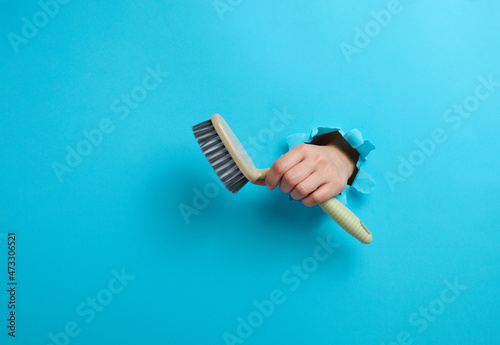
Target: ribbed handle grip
[347,220]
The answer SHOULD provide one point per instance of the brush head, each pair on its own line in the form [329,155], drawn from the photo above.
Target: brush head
[218,156]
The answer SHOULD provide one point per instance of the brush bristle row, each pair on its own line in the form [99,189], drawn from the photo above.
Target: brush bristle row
[220,159]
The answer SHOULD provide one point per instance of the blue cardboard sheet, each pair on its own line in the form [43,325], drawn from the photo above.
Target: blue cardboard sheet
[114,228]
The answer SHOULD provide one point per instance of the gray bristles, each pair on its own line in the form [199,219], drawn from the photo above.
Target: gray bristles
[218,156]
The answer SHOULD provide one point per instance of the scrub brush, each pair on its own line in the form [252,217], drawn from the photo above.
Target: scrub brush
[235,168]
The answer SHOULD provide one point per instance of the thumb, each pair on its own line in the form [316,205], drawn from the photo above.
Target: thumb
[260,182]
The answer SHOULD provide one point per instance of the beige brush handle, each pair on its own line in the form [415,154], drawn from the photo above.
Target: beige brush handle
[334,208]
[347,220]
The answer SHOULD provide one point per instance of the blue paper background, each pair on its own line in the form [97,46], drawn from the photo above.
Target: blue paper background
[119,208]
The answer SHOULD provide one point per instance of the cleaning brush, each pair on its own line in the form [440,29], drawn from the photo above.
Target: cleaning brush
[235,168]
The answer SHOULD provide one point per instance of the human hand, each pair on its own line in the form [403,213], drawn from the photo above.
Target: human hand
[310,173]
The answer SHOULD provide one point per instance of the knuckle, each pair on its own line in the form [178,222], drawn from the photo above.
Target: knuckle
[335,179]
[279,167]
[302,189]
[290,178]
[302,147]
[340,183]
[320,160]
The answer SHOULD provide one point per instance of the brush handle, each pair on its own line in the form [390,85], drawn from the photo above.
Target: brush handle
[347,220]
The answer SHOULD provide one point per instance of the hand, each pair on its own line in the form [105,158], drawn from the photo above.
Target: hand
[310,173]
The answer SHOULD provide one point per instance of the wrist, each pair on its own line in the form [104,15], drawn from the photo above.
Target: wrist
[344,161]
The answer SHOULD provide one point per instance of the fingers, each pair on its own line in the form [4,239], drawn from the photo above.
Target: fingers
[323,193]
[307,186]
[295,176]
[310,173]
[282,165]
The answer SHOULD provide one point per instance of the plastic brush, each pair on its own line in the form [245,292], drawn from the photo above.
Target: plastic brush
[235,168]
